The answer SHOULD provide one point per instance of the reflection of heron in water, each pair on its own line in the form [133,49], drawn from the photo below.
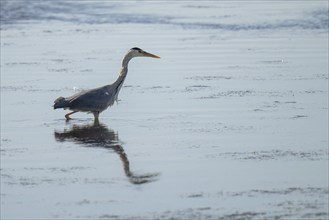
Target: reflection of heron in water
[98,135]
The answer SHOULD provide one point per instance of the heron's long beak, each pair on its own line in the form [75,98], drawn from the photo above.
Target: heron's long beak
[150,55]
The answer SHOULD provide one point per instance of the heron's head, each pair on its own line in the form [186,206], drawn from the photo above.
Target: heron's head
[137,52]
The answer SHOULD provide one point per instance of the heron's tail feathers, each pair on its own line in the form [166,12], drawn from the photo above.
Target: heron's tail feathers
[60,102]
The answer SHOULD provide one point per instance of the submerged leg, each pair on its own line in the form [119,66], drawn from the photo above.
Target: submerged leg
[96,115]
[67,116]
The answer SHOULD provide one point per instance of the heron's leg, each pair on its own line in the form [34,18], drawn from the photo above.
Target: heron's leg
[96,115]
[96,122]
[67,116]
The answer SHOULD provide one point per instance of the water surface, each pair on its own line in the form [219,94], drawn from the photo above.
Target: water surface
[230,123]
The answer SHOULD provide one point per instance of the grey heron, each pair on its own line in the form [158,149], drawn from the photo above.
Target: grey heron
[97,100]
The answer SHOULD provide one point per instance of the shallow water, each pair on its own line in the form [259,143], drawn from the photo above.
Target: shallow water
[230,123]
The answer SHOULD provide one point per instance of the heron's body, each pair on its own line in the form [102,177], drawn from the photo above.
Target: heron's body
[98,99]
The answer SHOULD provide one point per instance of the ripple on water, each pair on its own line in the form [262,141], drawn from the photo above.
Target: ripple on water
[274,155]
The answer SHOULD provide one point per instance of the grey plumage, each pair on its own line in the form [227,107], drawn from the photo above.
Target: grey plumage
[87,101]
[98,99]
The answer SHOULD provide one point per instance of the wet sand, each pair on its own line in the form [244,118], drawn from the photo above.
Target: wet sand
[230,123]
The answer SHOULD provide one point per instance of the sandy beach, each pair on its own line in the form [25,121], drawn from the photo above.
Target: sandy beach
[231,122]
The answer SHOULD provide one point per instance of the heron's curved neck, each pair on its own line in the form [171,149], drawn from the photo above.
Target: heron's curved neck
[126,60]
[124,65]
[124,69]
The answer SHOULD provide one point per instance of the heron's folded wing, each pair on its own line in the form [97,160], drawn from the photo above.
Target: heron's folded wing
[91,100]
